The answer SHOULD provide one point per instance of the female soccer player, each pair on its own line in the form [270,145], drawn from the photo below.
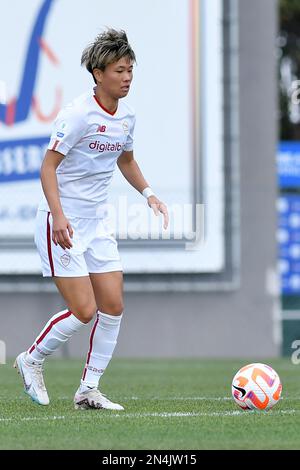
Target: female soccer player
[90,136]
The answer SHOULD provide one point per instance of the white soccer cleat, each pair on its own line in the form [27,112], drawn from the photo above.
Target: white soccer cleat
[32,375]
[93,398]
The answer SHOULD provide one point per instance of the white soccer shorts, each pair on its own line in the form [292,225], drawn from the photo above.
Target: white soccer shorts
[94,249]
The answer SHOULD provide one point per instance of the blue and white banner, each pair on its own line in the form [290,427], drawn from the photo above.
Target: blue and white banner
[28,105]
[40,54]
[288,164]
[289,243]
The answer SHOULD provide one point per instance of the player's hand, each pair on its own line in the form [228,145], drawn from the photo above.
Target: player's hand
[158,207]
[62,232]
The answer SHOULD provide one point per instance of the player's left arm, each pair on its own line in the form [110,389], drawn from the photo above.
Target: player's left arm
[132,173]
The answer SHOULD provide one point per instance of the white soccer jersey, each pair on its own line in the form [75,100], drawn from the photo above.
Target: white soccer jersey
[92,139]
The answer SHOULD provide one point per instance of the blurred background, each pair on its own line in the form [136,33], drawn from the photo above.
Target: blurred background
[216,94]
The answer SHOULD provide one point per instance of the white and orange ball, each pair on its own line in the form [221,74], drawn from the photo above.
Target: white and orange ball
[256,387]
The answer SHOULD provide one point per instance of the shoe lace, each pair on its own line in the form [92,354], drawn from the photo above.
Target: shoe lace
[37,371]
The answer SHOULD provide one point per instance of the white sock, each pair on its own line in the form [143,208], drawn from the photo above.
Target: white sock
[103,340]
[56,332]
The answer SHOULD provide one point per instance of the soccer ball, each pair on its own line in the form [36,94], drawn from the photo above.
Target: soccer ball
[256,387]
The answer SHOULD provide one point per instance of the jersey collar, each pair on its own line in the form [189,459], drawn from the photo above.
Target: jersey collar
[102,107]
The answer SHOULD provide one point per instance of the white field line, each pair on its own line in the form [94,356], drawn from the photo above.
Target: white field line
[65,397]
[81,416]
[187,398]
[196,398]
[33,418]
[163,398]
[200,398]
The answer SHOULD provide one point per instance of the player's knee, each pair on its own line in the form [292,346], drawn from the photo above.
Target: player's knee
[85,312]
[113,308]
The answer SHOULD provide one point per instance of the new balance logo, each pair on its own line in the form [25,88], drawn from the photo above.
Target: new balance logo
[101,129]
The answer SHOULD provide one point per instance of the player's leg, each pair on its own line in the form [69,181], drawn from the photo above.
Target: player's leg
[108,291]
[69,271]
[79,298]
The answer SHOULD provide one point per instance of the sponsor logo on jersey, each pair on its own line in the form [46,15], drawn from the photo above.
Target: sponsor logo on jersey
[60,134]
[106,147]
[101,129]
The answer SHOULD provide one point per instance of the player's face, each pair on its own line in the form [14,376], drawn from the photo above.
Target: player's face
[116,79]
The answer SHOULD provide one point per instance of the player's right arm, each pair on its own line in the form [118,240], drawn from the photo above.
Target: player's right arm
[61,231]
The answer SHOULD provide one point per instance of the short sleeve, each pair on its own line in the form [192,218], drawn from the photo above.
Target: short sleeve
[129,142]
[68,128]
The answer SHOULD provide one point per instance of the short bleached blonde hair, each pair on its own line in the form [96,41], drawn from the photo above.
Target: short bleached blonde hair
[107,48]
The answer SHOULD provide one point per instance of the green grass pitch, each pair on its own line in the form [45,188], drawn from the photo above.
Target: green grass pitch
[169,404]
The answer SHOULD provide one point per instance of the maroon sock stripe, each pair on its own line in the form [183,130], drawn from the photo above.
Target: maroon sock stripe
[91,346]
[56,320]
[49,246]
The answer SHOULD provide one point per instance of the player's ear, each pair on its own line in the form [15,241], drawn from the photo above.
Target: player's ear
[97,73]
